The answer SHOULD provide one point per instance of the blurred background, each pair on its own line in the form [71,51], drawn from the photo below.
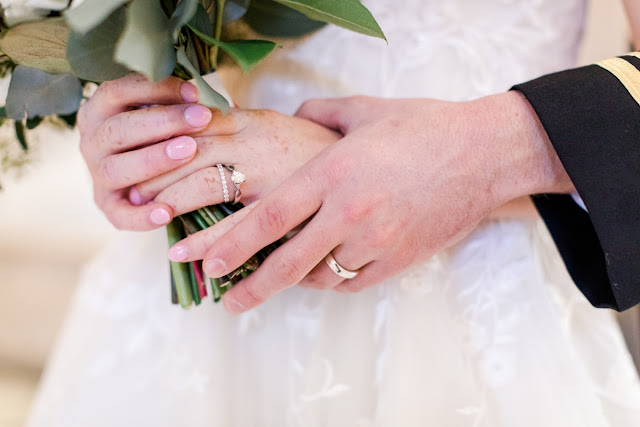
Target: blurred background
[49,227]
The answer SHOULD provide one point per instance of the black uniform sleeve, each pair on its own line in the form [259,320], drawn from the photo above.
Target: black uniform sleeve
[592,117]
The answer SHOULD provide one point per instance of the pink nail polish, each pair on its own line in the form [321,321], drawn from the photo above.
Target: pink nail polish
[189,92]
[160,216]
[178,253]
[197,116]
[181,148]
[215,268]
[134,197]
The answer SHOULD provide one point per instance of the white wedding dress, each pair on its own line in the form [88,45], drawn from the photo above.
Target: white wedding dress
[489,333]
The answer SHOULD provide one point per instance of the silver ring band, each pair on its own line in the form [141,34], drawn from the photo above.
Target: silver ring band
[338,269]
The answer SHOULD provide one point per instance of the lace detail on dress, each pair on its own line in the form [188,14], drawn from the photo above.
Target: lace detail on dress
[489,333]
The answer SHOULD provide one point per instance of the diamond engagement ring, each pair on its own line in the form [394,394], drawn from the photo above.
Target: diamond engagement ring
[237,178]
[338,269]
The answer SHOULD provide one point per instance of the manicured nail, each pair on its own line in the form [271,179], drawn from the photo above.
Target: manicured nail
[134,197]
[197,116]
[232,306]
[160,216]
[189,92]
[181,148]
[215,267]
[178,253]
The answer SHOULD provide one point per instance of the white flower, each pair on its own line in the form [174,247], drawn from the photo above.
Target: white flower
[17,11]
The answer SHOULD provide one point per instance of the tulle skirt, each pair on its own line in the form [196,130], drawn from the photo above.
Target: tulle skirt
[489,333]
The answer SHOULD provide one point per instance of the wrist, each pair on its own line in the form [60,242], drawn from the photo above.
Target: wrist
[521,159]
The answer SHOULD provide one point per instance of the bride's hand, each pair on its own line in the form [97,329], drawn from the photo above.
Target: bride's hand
[409,178]
[119,142]
[145,171]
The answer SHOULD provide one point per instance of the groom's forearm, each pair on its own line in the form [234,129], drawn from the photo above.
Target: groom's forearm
[592,117]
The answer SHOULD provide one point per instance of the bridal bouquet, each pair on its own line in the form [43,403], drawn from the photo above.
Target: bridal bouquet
[54,48]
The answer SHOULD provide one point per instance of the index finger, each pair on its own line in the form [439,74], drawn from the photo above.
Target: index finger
[288,206]
[134,90]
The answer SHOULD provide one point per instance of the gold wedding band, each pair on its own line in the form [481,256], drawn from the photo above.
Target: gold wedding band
[338,269]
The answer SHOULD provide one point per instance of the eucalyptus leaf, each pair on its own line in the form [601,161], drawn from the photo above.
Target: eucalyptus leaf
[92,55]
[208,96]
[146,44]
[349,14]
[90,13]
[201,21]
[39,44]
[276,20]
[234,10]
[183,14]
[33,92]
[247,53]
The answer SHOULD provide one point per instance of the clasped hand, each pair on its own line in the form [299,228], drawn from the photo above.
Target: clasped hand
[380,184]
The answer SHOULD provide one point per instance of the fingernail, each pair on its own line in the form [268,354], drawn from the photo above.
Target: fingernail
[215,268]
[178,253]
[160,216]
[232,306]
[189,92]
[181,148]
[134,197]
[197,115]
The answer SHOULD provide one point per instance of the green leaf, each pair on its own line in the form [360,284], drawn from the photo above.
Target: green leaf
[146,44]
[247,53]
[184,12]
[34,122]
[208,96]
[33,92]
[201,21]
[3,112]
[275,20]
[91,54]
[349,14]
[22,138]
[90,13]
[40,44]
[234,10]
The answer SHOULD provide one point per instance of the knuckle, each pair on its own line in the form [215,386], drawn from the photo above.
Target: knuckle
[252,293]
[107,171]
[111,131]
[287,270]
[209,184]
[383,236]
[354,212]
[111,89]
[271,221]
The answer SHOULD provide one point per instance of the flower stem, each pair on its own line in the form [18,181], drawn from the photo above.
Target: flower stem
[179,271]
[217,32]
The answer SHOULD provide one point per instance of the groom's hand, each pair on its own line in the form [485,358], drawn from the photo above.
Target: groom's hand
[410,178]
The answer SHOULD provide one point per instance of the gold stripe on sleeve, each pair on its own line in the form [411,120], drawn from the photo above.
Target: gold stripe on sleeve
[628,75]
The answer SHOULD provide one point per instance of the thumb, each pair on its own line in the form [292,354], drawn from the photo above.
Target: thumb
[341,114]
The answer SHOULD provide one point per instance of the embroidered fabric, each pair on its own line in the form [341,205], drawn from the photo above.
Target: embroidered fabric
[488,333]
